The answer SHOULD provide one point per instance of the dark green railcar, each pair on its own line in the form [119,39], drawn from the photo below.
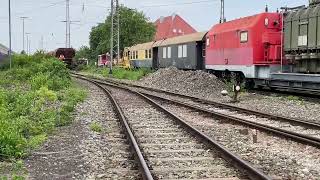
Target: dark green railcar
[302,38]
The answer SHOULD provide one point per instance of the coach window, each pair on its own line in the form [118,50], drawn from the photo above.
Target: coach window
[180,51]
[169,52]
[184,51]
[150,53]
[244,36]
[164,52]
[136,54]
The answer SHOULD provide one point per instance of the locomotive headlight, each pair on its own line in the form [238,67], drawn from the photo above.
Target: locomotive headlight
[238,88]
[266,21]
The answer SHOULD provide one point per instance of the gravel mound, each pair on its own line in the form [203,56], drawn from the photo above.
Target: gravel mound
[197,83]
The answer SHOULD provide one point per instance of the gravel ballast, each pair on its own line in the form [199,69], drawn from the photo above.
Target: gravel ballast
[276,156]
[170,151]
[207,86]
[78,152]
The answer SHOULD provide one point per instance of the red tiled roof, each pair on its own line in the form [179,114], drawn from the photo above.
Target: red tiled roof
[172,26]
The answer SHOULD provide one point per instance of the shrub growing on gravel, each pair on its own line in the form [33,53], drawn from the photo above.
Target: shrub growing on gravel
[119,73]
[36,96]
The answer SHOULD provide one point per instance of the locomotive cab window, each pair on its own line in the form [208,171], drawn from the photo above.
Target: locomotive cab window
[244,36]
[208,41]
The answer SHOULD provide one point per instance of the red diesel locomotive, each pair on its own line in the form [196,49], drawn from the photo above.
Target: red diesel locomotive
[248,48]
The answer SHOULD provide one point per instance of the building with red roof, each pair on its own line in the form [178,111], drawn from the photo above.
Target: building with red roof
[172,26]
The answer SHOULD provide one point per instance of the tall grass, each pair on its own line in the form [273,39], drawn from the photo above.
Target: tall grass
[36,96]
[119,73]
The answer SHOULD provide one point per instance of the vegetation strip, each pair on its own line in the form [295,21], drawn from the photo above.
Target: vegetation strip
[36,96]
[239,163]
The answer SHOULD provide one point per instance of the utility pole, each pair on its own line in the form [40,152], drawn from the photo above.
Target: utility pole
[68,33]
[28,44]
[23,35]
[115,31]
[41,43]
[67,23]
[222,17]
[10,46]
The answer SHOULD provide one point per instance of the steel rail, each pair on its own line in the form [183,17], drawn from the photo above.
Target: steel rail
[134,145]
[252,172]
[310,140]
[305,139]
[294,121]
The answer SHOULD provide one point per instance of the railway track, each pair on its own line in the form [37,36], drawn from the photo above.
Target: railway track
[167,147]
[128,158]
[293,121]
[308,132]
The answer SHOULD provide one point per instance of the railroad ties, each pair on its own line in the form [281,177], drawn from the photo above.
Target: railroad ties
[166,147]
[193,124]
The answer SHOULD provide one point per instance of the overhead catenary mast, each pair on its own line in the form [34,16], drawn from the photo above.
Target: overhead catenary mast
[10,33]
[222,17]
[23,33]
[115,32]
[67,23]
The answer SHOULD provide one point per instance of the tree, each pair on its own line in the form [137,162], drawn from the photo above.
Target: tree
[135,28]
[84,52]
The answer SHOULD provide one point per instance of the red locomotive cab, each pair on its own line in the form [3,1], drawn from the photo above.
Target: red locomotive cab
[61,57]
[245,45]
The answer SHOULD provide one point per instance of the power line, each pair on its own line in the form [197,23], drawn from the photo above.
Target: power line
[43,7]
[175,4]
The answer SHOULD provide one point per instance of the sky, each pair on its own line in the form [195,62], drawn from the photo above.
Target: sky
[45,16]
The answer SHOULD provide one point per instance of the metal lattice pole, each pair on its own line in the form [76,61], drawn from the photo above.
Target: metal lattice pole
[10,45]
[67,24]
[115,32]
[118,31]
[23,33]
[28,44]
[222,17]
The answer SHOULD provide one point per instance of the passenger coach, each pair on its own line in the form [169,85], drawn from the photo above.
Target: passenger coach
[183,52]
[141,55]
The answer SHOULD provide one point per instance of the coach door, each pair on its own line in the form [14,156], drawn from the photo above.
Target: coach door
[155,60]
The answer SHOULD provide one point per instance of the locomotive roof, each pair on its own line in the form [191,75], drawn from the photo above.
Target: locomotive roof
[239,24]
[183,39]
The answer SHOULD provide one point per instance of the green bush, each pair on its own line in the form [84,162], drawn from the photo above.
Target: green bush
[36,96]
[96,127]
[119,73]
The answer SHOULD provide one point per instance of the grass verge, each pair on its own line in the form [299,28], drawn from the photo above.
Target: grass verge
[119,73]
[36,96]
